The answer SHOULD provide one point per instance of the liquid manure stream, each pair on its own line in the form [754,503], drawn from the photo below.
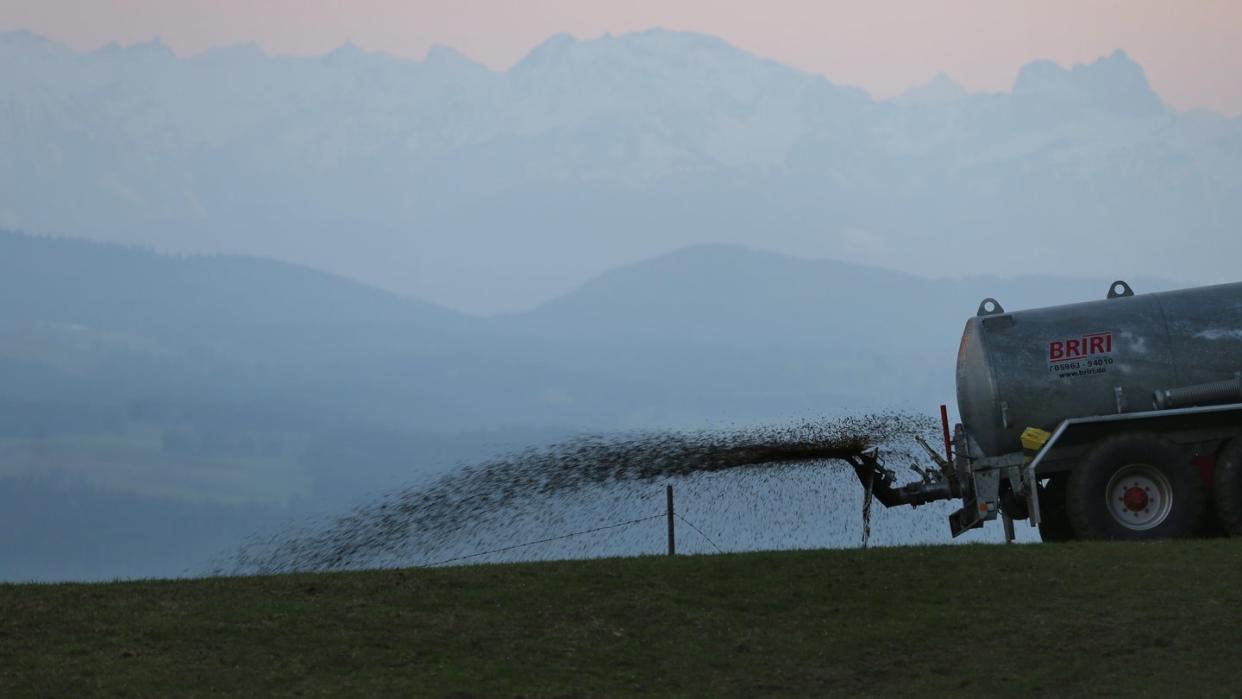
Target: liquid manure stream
[405,526]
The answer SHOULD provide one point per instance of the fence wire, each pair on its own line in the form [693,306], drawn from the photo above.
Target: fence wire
[700,531]
[867,498]
[544,541]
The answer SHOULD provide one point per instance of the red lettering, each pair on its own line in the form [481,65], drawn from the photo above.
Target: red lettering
[1080,347]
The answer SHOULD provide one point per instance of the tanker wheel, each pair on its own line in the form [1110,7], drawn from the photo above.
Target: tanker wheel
[1054,526]
[1227,488]
[1135,487]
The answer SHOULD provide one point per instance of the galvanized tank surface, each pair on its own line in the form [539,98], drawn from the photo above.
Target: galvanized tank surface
[1037,367]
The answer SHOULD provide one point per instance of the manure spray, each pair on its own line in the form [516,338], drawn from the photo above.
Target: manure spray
[409,525]
[1101,404]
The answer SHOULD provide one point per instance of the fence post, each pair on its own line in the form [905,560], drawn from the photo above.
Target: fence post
[672,543]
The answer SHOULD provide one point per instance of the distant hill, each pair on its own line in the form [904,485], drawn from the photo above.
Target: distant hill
[732,296]
[704,332]
[495,191]
[83,302]
[224,301]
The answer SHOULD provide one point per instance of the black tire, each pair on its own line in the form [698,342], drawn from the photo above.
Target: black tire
[1135,487]
[1227,488]
[1013,505]
[1054,526]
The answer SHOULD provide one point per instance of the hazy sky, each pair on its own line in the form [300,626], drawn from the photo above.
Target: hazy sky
[1192,50]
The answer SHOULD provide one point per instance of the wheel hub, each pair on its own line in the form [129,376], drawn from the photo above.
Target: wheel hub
[1139,497]
[1135,499]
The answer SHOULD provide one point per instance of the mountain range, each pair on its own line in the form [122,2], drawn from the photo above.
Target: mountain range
[496,191]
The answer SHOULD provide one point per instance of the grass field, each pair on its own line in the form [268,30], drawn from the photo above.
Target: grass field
[1153,619]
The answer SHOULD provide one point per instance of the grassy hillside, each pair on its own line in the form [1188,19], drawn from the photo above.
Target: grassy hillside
[1156,619]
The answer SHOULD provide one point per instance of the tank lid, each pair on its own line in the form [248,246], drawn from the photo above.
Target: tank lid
[1119,289]
[990,307]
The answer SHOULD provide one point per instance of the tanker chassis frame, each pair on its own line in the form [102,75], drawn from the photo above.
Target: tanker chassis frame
[1106,470]
[1009,485]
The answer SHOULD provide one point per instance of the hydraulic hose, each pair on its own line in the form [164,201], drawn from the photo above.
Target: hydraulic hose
[1211,393]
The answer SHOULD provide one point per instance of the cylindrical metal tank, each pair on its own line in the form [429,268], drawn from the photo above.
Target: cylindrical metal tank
[1037,367]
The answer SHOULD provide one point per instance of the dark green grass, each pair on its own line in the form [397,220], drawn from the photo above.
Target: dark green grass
[1156,619]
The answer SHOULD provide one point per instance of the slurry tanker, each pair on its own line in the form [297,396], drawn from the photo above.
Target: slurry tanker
[1113,419]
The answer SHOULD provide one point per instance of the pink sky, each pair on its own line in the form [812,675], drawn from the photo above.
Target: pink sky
[1192,50]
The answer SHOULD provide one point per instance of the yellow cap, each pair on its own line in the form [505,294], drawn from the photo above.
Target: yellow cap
[1034,438]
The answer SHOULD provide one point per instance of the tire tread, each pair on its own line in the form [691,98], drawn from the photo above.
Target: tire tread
[1083,497]
[1227,488]
[1054,526]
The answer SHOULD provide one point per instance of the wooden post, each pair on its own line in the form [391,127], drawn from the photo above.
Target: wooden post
[672,542]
